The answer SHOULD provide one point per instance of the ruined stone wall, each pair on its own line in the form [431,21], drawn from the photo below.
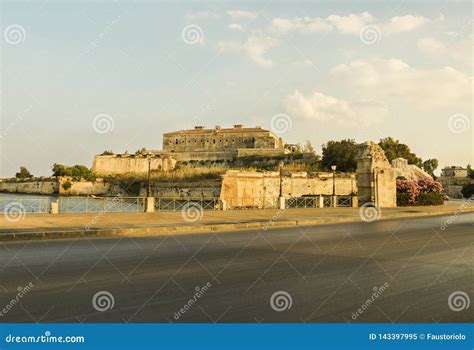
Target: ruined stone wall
[244,186]
[196,189]
[376,180]
[31,187]
[83,188]
[113,164]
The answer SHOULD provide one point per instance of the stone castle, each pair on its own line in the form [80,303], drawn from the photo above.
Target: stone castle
[198,144]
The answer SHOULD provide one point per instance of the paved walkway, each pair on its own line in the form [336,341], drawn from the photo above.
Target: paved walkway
[46,225]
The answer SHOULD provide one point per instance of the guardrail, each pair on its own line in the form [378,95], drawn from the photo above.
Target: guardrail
[317,202]
[23,204]
[175,204]
[100,204]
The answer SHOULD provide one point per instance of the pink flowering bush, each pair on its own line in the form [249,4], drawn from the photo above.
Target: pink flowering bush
[408,191]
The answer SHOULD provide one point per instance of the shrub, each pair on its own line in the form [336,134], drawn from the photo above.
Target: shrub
[409,192]
[468,191]
[430,199]
[67,185]
[402,199]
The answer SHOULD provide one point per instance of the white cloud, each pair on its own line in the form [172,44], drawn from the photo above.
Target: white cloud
[459,49]
[430,45]
[301,24]
[321,107]
[255,48]
[402,24]
[240,14]
[236,26]
[394,80]
[350,24]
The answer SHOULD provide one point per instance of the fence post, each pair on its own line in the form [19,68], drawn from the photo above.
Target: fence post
[320,201]
[334,201]
[354,201]
[150,204]
[54,208]
[281,202]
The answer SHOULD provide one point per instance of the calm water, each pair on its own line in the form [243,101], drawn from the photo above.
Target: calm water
[10,202]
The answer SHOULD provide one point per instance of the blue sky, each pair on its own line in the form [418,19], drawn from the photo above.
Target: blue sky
[78,78]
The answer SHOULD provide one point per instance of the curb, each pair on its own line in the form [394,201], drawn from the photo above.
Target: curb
[187,229]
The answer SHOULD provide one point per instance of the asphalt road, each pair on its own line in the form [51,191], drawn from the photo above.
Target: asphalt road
[328,271]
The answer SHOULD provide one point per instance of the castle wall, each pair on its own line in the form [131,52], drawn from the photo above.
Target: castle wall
[112,164]
[50,186]
[263,152]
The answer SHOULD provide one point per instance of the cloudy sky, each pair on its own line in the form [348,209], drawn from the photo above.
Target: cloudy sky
[78,78]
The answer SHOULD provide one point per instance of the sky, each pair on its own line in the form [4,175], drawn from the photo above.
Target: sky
[81,77]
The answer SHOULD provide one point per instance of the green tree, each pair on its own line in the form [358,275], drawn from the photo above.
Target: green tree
[468,191]
[430,166]
[77,171]
[394,149]
[23,174]
[340,153]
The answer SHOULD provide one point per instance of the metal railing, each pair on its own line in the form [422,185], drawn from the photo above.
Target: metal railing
[175,204]
[314,202]
[344,201]
[302,202]
[100,204]
[25,204]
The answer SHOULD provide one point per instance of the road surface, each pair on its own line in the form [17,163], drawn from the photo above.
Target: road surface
[386,271]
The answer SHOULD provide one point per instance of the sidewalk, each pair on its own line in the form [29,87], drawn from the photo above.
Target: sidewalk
[163,223]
